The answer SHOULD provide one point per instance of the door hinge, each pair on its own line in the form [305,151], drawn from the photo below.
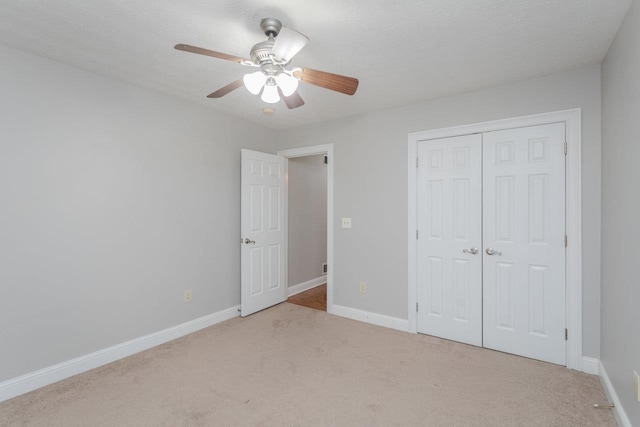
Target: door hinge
[417,162]
[566,241]
[416,307]
[566,148]
[326,159]
[416,234]
[566,334]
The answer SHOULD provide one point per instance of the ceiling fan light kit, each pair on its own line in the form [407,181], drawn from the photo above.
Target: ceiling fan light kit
[274,79]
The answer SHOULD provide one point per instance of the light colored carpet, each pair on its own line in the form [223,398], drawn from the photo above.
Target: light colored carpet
[295,366]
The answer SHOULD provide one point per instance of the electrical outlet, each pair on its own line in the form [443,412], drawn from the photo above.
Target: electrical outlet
[346,222]
[187,296]
[636,385]
[363,288]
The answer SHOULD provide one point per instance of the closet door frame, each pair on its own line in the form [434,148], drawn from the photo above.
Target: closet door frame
[572,120]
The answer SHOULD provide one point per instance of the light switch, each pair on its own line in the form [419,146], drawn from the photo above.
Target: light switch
[346,222]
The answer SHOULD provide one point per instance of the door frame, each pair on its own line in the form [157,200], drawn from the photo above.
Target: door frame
[326,149]
[573,175]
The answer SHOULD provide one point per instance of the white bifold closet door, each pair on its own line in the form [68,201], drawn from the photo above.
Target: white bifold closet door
[491,252]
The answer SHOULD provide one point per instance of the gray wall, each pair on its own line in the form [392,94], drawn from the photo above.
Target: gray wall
[307,218]
[621,211]
[371,184]
[114,201]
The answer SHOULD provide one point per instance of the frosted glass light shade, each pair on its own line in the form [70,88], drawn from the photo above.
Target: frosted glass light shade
[287,84]
[270,94]
[254,81]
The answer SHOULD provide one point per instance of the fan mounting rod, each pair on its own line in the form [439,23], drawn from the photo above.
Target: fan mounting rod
[271,27]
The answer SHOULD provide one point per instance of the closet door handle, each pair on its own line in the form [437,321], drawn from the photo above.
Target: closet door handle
[491,251]
[471,251]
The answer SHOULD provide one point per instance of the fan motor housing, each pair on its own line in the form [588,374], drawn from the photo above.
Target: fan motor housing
[260,52]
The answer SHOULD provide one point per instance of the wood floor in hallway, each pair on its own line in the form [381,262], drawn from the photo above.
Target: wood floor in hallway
[313,298]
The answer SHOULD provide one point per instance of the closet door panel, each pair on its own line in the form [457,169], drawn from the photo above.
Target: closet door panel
[523,232]
[450,226]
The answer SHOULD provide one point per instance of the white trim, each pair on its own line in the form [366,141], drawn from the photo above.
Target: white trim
[618,410]
[310,151]
[34,380]
[372,318]
[572,120]
[305,286]
[412,290]
[573,228]
[286,229]
[590,365]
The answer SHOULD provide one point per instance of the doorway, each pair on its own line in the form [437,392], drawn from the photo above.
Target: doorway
[315,276]
[572,303]
[307,231]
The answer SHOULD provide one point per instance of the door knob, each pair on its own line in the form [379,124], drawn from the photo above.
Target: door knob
[247,241]
[471,251]
[491,251]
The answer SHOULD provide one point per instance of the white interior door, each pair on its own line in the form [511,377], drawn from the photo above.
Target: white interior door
[262,225]
[524,246]
[450,239]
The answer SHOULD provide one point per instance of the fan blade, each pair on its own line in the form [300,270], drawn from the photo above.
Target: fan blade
[288,43]
[207,52]
[342,84]
[225,90]
[292,101]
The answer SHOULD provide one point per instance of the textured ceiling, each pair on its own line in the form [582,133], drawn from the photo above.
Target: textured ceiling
[402,51]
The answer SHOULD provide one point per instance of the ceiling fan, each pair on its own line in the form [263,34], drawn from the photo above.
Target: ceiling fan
[275,79]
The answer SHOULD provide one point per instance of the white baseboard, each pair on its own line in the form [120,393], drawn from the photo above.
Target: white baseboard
[305,286]
[618,410]
[373,318]
[34,380]
[590,365]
